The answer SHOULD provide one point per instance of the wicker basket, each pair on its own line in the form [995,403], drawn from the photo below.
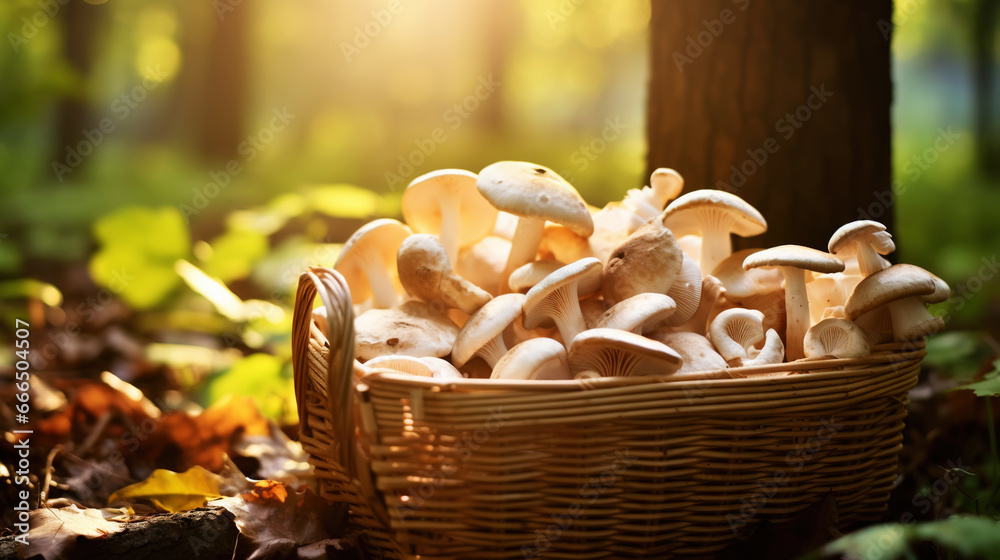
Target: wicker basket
[603,468]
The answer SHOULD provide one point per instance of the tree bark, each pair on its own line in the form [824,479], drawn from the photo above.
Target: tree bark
[782,102]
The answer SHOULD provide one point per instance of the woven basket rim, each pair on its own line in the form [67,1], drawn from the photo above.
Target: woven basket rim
[799,371]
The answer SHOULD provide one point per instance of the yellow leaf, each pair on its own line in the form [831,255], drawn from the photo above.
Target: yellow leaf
[172,492]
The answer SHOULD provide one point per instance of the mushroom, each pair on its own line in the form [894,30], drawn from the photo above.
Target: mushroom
[425,271]
[483,262]
[535,194]
[664,185]
[905,289]
[368,262]
[482,334]
[424,367]
[648,261]
[735,332]
[447,204]
[865,240]
[696,351]
[773,351]
[793,261]
[686,292]
[712,293]
[639,314]
[556,298]
[414,329]
[829,290]
[615,353]
[839,338]
[714,215]
[535,359]
[591,309]
[742,285]
[526,276]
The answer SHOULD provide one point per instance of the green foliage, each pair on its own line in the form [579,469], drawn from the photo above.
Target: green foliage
[139,247]
[968,536]
[989,386]
[233,254]
[265,378]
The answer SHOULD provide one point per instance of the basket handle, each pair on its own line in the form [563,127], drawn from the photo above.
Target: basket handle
[336,297]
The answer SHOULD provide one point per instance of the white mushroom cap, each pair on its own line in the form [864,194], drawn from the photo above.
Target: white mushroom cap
[793,261]
[696,351]
[482,334]
[556,298]
[773,351]
[639,314]
[446,204]
[483,262]
[424,367]
[714,215]
[615,353]
[865,239]
[525,277]
[425,271]
[535,194]
[734,332]
[839,338]
[648,261]
[414,329]
[535,359]
[368,262]
[904,288]
[829,290]
[742,284]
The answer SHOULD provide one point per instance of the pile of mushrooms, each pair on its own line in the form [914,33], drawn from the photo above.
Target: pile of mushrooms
[509,274]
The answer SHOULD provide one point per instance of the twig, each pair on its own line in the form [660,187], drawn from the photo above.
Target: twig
[44,494]
[95,433]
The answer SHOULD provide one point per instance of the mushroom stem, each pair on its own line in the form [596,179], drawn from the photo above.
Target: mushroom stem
[869,261]
[523,248]
[716,245]
[796,312]
[493,350]
[381,284]
[567,315]
[450,219]
[911,320]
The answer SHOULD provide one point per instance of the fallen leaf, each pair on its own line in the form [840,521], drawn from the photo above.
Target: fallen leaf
[54,532]
[275,524]
[171,492]
[276,457]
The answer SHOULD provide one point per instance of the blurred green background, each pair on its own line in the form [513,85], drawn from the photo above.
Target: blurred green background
[169,167]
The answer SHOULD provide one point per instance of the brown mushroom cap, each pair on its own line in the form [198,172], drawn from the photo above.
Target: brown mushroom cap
[897,282]
[535,191]
[446,203]
[614,353]
[414,329]
[368,261]
[648,261]
[860,231]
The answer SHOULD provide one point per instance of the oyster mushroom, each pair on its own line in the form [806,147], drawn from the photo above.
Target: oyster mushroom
[904,289]
[615,353]
[648,261]
[839,338]
[535,359]
[714,215]
[557,298]
[414,329]
[446,203]
[368,262]
[482,334]
[425,271]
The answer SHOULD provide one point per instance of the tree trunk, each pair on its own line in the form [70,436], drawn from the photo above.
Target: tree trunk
[223,95]
[782,102]
[983,40]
